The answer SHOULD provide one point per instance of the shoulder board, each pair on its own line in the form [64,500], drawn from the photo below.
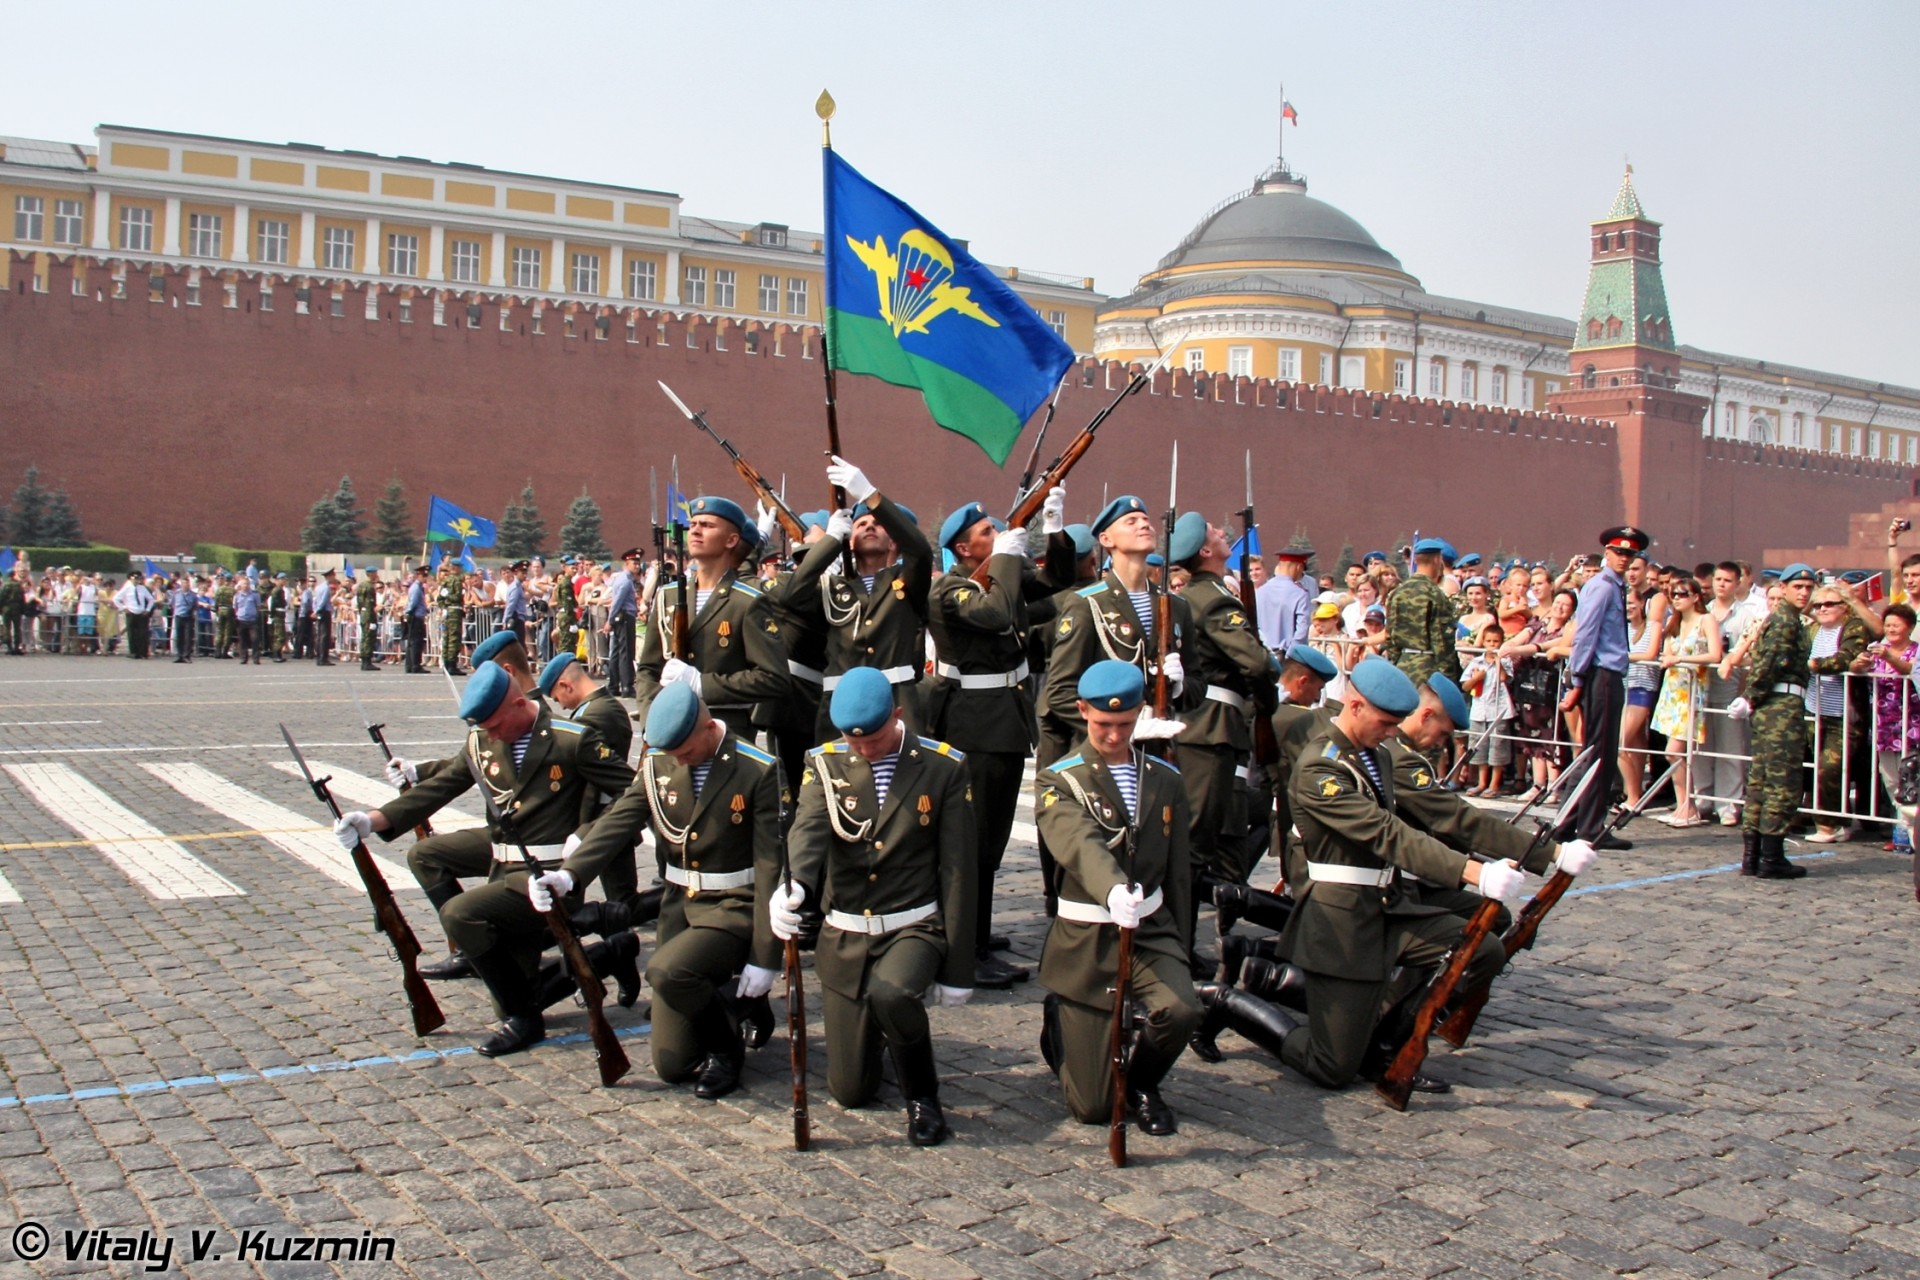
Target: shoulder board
[746,590]
[1068,763]
[945,749]
[828,749]
[571,726]
[752,752]
[656,753]
[1093,590]
[1330,752]
[1158,763]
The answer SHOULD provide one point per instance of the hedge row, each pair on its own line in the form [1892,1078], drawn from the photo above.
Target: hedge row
[95,558]
[291,563]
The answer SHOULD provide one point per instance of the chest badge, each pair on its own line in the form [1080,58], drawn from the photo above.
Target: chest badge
[673,797]
[925,806]
[725,632]
[900,588]
[493,770]
[739,806]
[851,803]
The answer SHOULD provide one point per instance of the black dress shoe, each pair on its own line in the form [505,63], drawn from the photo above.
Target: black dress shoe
[1614,842]
[719,1077]
[926,1123]
[998,942]
[1151,1112]
[623,965]
[1423,1083]
[756,1021]
[454,966]
[521,1031]
[995,974]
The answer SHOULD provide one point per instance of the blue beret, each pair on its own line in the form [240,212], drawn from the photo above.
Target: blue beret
[907,511]
[1124,505]
[1451,698]
[279,576]
[1385,686]
[1447,551]
[486,689]
[1189,534]
[1475,581]
[726,508]
[1155,559]
[1313,660]
[1373,557]
[1795,571]
[1110,685]
[550,674]
[815,519]
[961,521]
[674,715]
[489,649]
[1082,536]
[1469,560]
[1428,546]
[750,536]
[862,701]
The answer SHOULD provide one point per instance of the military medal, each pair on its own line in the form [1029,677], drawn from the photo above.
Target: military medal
[852,803]
[673,797]
[1166,821]
[725,629]
[739,806]
[493,770]
[926,808]
[900,587]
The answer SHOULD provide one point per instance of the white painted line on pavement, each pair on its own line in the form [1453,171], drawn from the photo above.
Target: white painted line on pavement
[372,792]
[314,846]
[129,748]
[9,896]
[140,849]
[32,724]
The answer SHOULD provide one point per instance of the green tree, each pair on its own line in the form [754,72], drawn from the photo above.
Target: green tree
[334,522]
[61,525]
[581,535]
[521,530]
[393,530]
[1347,556]
[29,510]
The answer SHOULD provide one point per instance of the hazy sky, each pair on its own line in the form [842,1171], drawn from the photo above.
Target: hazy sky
[1778,143]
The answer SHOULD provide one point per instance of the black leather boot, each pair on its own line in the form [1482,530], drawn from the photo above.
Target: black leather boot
[1226,1009]
[602,918]
[920,1081]
[992,973]
[645,908]
[1050,1032]
[524,1027]
[1276,982]
[1773,860]
[1750,854]
[1237,902]
[616,958]
[725,1055]
[1150,1111]
[455,965]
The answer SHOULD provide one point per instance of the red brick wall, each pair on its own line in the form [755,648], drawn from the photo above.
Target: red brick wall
[170,423]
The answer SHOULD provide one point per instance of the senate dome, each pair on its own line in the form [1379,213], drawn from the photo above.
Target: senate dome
[1277,223]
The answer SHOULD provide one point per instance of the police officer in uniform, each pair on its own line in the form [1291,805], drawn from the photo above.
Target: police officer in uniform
[536,769]
[1117,822]
[320,605]
[416,621]
[1597,672]
[714,803]
[1777,674]
[883,840]
[452,599]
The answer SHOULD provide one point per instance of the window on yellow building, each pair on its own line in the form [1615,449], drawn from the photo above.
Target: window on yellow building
[1325,377]
[1402,375]
[1497,386]
[403,255]
[526,268]
[1289,364]
[1196,360]
[1436,377]
[336,249]
[586,272]
[769,294]
[136,230]
[693,287]
[205,232]
[270,240]
[69,221]
[29,217]
[1467,372]
[796,295]
[723,287]
[1057,321]
[1239,361]
[465,262]
[643,280]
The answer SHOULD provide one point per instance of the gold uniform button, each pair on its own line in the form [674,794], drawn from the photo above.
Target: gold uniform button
[867,912]
[693,835]
[872,878]
[695,865]
[869,648]
[879,845]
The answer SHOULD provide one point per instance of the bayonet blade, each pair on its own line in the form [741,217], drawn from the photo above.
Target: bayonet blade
[1173,480]
[678,402]
[1249,480]
[365,719]
[299,759]
[653,498]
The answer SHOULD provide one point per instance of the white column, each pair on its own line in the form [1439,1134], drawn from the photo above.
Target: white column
[557,280]
[242,230]
[617,272]
[497,261]
[436,252]
[170,229]
[304,259]
[375,263]
[670,287]
[102,217]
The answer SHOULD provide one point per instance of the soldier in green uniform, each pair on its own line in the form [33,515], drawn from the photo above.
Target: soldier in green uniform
[735,659]
[1116,820]
[366,598]
[1777,674]
[883,840]
[13,611]
[566,609]
[277,617]
[566,684]
[223,615]
[451,597]
[790,720]
[1420,618]
[714,803]
[538,769]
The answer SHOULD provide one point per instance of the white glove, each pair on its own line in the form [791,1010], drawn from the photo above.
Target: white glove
[1053,512]
[755,982]
[572,843]
[352,829]
[952,997]
[851,478]
[840,525]
[783,910]
[402,773]
[548,885]
[1011,543]
[1502,880]
[1739,709]
[1123,904]
[678,672]
[1576,856]
[1176,674]
[1150,727]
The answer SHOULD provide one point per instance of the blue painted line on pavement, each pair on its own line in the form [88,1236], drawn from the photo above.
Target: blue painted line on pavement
[1679,875]
[276,1073]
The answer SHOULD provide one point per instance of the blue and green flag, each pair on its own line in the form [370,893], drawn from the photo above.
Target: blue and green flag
[909,306]
[448,523]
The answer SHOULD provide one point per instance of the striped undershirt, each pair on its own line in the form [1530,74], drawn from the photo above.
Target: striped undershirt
[867,581]
[700,772]
[1143,610]
[520,749]
[883,776]
[1828,696]
[1372,767]
[1126,777]
[700,599]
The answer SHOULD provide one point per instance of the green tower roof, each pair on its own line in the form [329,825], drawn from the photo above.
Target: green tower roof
[1627,203]
[1626,302]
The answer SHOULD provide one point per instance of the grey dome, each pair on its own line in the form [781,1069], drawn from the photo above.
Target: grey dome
[1280,222]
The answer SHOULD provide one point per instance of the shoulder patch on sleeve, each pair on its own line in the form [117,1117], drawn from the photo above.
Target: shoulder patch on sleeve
[1329,786]
[1330,752]
[752,752]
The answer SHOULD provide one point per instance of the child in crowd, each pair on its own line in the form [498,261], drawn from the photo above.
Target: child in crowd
[1491,728]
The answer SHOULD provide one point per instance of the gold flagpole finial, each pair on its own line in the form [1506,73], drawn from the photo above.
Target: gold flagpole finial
[823,107]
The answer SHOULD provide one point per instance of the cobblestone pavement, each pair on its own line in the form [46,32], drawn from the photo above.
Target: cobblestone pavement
[1698,1076]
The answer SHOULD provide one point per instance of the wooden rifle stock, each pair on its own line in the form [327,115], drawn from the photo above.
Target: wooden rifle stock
[1122,1037]
[797,1046]
[1396,1086]
[606,1045]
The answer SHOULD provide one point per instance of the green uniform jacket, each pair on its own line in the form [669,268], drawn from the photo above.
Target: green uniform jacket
[1097,623]
[1087,839]
[223,603]
[731,825]
[1420,630]
[1780,655]
[1340,930]
[1293,727]
[1419,800]
[735,643]
[13,597]
[884,627]
[277,605]
[915,849]
[1224,652]
[796,611]
[608,717]
[452,595]
[366,597]
[981,631]
[565,763]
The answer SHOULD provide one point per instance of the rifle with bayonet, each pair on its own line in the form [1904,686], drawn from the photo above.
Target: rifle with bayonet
[1033,454]
[378,732]
[606,1045]
[796,1024]
[1120,1048]
[386,912]
[681,647]
[755,481]
[1266,744]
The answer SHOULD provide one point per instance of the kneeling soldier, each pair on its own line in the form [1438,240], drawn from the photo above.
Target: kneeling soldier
[883,839]
[714,803]
[1116,821]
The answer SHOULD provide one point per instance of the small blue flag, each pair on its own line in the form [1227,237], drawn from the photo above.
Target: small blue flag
[346,568]
[7,560]
[466,561]
[1242,547]
[433,561]
[149,568]
[677,512]
[448,523]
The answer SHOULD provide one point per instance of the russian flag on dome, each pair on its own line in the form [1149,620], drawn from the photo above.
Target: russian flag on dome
[1288,113]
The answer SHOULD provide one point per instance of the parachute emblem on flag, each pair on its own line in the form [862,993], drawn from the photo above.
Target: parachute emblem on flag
[913,282]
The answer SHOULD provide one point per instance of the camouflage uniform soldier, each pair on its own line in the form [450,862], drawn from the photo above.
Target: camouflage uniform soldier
[1776,687]
[223,615]
[277,618]
[566,609]
[367,598]
[453,616]
[1420,618]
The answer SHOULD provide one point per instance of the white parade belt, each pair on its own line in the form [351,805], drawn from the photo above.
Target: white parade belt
[997,680]
[1337,873]
[805,672]
[1797,690]
[894,675]
[867,922]
[708,881]
[543,852]
[1088,913]
[1222,694]
[1244,773]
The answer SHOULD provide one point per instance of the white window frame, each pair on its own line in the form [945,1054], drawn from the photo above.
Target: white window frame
[1436,376]
[1468,377]
[136,229]
[272,241]
[1526,392]
[463,262]
[643,279]
[583,270]
[69,222]
[337,249]
[1325,378]
[1402,375]
[724,287]
[1057,321]
[1196,359]
[1239,361]
[1497,386]
[29,217]
[206,235]
[769,293]
[1288,369]
[797,295]
[403,254]
[693,285]
[527,267]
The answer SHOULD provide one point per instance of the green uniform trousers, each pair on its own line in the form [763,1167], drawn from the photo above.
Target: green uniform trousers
[1165,988]
[498,914]
[441,862]
[890,1014]
[686,973]
[452,622]
[1774,780]
[1217,799]
[995,777]
[369,628]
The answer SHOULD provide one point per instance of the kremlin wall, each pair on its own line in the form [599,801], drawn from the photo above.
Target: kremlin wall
[192,404]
